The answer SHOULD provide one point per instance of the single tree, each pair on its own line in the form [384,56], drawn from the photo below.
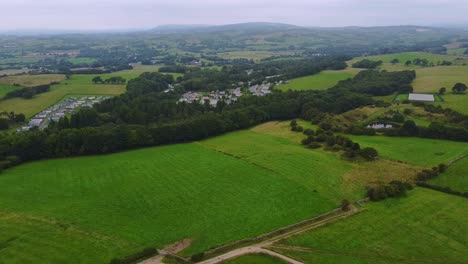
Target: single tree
[459,88]
[97,79]
[395,61]
[442,90]
[408,63]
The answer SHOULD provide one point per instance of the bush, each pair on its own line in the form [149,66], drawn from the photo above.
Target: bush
[314,145]
[309,132]
[197,257]
[345,205]
[393,189]
[369,154]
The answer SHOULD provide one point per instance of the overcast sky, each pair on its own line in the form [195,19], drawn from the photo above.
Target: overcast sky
[125,14]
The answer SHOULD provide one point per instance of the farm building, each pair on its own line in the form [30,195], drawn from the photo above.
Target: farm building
[421,97]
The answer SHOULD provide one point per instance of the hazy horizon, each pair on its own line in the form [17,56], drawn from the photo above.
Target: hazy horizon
[88,15]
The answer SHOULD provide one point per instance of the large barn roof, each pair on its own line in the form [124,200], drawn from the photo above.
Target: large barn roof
[421,97]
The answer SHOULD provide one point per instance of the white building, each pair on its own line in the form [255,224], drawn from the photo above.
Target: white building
[421,97]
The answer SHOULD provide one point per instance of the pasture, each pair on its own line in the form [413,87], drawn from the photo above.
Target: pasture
[430,80]
[458,102]
[456,177]
[215,191]
[418,151]
[6,88]
[320,81]
[425,227]
[32,80]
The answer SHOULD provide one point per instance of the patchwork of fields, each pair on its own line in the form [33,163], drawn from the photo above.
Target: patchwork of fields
[156,196]
[425,227]
[76,85]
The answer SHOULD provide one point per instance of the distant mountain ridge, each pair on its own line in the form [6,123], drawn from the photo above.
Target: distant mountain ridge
[251,26]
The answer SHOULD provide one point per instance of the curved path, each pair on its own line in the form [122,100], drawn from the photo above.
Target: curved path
[246,251]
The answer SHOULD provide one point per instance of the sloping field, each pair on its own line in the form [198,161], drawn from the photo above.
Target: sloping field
[458,102]
[430,80]
[6,88]
[30,239]
[419,151]
[425,227]
[320,81]
[156,196]
[456,177]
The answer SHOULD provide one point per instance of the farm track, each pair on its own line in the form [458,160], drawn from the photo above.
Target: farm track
[262,247]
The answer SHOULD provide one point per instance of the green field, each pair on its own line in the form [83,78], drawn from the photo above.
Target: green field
[6,88]
[254,259]
[457,102]
[456,177]
[425,227]
[82,60]
[404,56]
[430,80]
[321,81]
[419,151]
[215,191]
[32,80]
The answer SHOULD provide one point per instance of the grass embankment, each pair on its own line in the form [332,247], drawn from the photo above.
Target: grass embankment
[320,81]
[425,227]
[456,177]
[254,259]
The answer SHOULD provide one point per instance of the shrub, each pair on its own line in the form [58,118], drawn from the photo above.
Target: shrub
[345,205]
[197,257]
[309,132]
[314,145]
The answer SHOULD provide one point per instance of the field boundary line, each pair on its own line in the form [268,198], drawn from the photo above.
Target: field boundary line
[366,256]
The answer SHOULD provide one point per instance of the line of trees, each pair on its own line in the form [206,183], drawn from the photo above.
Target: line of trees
[379,83]
[28,92]
[144,116]
[367,64]
[110,80]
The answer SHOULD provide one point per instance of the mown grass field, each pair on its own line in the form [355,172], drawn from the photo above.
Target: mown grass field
[419,151]
[76,85]
[321,81]
[456,177]
[254,259]
[424,227]
[32,80]
[215,191]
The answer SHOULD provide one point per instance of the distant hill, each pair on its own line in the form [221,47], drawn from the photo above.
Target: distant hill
[253,26]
